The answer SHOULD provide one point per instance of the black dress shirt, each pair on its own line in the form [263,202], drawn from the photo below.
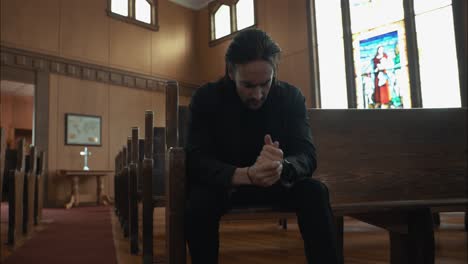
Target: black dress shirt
[223,134]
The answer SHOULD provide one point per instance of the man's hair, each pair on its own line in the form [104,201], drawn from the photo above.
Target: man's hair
[250,45]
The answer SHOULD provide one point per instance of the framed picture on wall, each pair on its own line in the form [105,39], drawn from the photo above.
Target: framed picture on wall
[83,130]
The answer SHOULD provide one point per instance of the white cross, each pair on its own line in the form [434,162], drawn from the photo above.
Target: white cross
[85,153]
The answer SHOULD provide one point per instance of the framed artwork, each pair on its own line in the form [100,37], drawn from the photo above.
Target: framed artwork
[83,130]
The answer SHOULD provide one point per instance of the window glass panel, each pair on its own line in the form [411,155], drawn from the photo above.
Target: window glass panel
[331,54]
[245,14]
[437,59]
[381,67]
[143,11]
[368,14]
[119,7]
[222,22]
[421,6]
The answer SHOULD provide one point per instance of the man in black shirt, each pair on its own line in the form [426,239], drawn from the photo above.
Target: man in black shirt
[249,144]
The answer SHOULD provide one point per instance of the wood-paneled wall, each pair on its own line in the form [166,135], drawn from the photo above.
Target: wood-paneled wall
[285,22]
[120,109]
[81,30]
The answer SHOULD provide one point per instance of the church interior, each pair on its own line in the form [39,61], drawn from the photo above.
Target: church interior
[87,86]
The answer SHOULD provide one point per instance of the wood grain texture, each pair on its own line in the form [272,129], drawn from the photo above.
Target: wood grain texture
[371,155]
[39,187]
[264,242]
[28,192]
[2,169]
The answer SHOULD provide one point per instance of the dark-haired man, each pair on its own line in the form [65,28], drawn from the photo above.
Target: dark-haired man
[249,144]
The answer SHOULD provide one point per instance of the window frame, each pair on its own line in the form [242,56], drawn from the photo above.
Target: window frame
[460,29]
[131,18]
[213,8]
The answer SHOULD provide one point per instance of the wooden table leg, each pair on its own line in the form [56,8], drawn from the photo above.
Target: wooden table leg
[101,197]
[75,195]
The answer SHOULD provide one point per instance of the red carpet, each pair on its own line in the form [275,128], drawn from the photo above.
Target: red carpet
[80,235]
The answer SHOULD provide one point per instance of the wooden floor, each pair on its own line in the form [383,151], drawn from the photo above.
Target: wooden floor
[265,242]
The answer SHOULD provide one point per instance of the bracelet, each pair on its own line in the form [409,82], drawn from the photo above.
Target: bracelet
[248,175]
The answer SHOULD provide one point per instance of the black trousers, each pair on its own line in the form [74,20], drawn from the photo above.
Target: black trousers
[309,198]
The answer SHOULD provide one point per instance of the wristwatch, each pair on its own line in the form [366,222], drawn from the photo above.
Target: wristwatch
[287,174]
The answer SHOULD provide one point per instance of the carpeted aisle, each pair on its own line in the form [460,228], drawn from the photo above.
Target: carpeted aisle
[80,235]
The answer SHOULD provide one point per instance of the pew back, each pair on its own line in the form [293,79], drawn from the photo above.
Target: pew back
[28,191]
[2,157]
[2,168]
[16,175]
[39,187]
[414,155]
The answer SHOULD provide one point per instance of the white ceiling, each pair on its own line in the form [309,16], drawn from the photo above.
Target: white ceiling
[192,4]
[16,88]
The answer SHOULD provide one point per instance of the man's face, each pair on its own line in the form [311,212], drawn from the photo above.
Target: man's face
[253,82]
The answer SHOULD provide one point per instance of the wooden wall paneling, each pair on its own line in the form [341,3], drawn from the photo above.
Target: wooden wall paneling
[211,58]
[52,190]
[84,31]
[126,110]
[294,69]
[130,47]
[31,24]
[41,126]
[82,97]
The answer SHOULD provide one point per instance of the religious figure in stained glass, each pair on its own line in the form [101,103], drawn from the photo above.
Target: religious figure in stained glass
[379,70]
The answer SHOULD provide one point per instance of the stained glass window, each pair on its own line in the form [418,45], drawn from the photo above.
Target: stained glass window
[381,67]
[380,60]
[375,33]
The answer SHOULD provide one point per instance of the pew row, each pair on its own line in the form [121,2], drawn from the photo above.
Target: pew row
[25,190]
[389,168]
[2,170]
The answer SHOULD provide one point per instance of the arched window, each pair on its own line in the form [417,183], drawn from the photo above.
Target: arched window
[139,12]
[385,53]
[222,21]
[230,16]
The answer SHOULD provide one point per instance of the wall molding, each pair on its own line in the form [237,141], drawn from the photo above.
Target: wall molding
[86,71]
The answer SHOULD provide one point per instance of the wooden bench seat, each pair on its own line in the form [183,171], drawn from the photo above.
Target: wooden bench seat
[389,168]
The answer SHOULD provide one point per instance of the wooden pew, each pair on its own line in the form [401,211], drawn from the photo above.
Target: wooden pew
[133,191]
[28,191]
[124,215]
[2,171]
[389,168]
[155,185]
[116,184]
[16,174]
[403,164]
[39,187]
